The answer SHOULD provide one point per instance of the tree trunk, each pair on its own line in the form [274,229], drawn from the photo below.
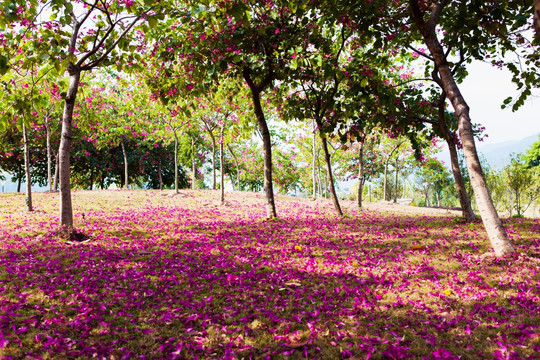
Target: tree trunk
[176,164]
[267,153]
[212,137]
[465,202]
[396,187]
[221,167]
[193,164]
[56,172]
[19,180]
[385,177]
[329,174]
[237,168]
[27,169]
[536,18]
[314,173]
[126,180]
[160,179]
[360,174]
[496,232]
[49,154]
[66,208]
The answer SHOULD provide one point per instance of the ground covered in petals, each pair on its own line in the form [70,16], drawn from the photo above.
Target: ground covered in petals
[184,277]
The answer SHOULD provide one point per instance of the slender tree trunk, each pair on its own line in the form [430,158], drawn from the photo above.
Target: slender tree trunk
[221,167]
[360,174]
[319,177]
[176,164]
[496,232]
[385,177]
[49,154]
[396,187]
[212,137]
[329,174]
[126,180]
[27,169]
[267,154]
[92,178]
[56,172]
[464,200]
[160,179]
[19,180]
[237,168]
[314,162]
[193,164]
[66,208]
[536,18]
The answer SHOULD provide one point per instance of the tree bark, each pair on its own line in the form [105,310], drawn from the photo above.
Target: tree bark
[27,169]
[221,167]
[160,179]
[212,137]
[176,164]
[49,154]
[536,18]
[193,164]
[56,172]
[496,232]
[267,148]
[237,168]
[360,174]
[396,180]
[465,202]
[329,174]
[314,162]
[385,177]
[126,180]
[66,208]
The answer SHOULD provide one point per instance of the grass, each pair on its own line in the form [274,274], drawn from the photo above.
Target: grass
[182,278]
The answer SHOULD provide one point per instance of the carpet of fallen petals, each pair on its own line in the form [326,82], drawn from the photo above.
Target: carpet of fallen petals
[184,277]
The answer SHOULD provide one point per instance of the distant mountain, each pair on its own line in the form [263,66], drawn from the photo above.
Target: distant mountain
[497,155]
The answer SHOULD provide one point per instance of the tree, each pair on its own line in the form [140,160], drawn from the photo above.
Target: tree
[532,156]
[83,36]
[427,18]
[523,183]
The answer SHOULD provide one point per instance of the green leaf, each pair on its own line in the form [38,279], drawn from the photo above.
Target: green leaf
[364,82]
[152,22]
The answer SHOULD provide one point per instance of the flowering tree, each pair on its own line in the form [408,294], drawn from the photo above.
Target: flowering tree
[76,37]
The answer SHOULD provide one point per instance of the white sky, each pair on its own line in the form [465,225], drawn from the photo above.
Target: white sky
[484,89]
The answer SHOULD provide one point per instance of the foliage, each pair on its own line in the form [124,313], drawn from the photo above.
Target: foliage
[523,184]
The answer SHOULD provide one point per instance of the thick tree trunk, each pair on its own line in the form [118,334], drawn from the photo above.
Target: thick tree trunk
[176,164]
[27,169]
[267,154]
[329,174]
[465,202]
[49,155]
[221,167]
[493,224]
[126,180]
[66,208]
[360,174]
